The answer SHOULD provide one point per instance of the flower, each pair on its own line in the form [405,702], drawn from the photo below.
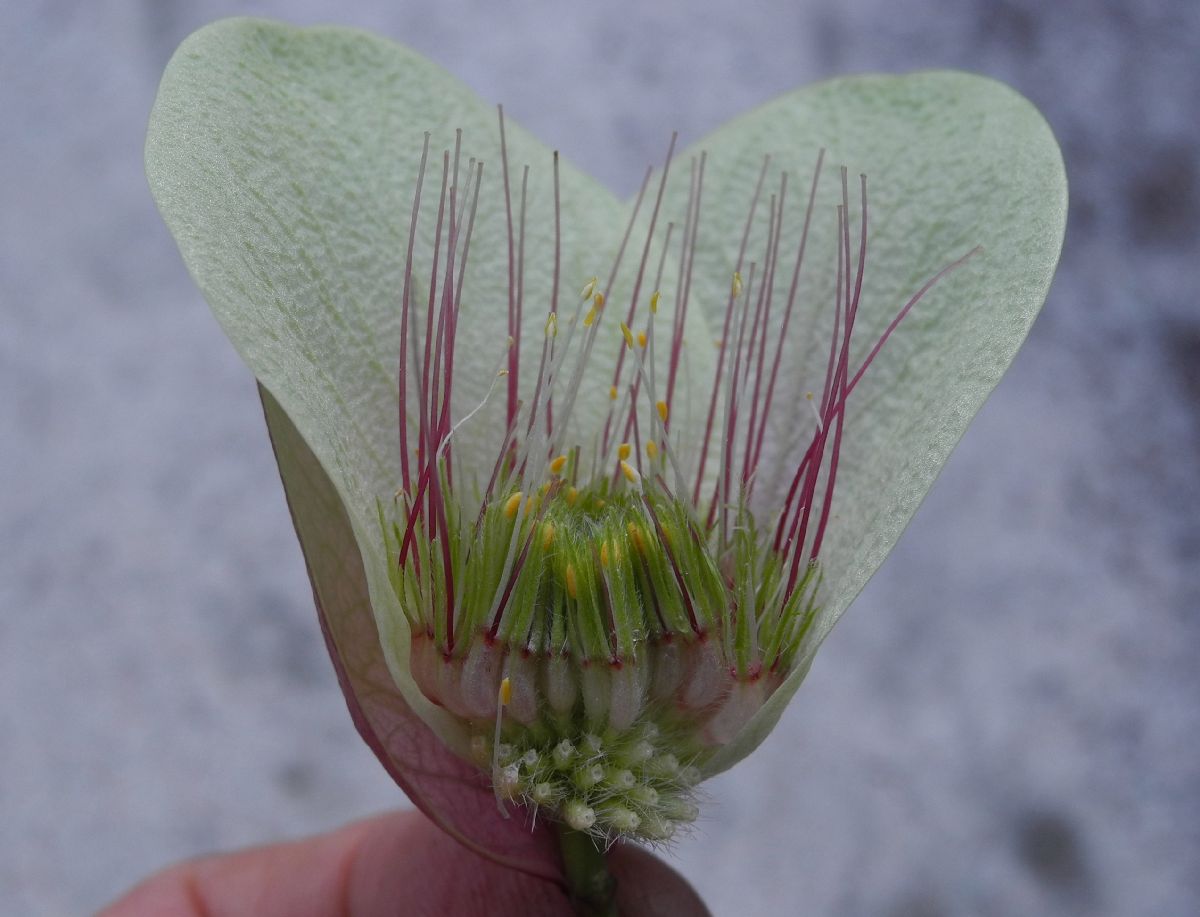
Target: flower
[618,607]
[593,543]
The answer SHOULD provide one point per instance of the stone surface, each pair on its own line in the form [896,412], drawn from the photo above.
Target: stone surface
[1005,723]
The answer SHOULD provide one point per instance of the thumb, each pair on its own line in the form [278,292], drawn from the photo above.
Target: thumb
[406,860]
[648,887]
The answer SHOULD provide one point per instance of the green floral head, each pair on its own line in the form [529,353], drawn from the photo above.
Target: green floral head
[582,485]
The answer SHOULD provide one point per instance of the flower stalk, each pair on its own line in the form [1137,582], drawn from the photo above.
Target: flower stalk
[593,890]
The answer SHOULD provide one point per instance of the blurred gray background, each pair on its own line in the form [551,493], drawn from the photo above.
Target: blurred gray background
[1007,722]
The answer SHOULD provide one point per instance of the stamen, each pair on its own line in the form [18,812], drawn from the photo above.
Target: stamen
[916,297]
[427,408]
[515,376]
[686,260]
[723,502]
[630,473]
[637,284]
[554,288]
[635,535]
[512,504]
[514,314]
[627,334]
[729,309]
[586,349]
[646,341]
[405,308]
[661,410]
[503,699]
[808,396]
[759,333]
[669,551]
[791,301]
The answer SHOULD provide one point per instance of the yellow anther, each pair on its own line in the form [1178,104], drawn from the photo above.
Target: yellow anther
[654,302]
[616,552]
[532,503]
[612,393]
[589,288]
[557,465]
[572,496]
[589,318]
[552,325]
[623,451]
[505,692]
[642,339]
[598,300]
[736,289]
[600,504]
[628,335]
[543,489]
[812,406]
[662,411]
[651,450]
[512,504]
[547,535]
[569,576]
[604,554]
[635,535]
[630,473]
[502,374]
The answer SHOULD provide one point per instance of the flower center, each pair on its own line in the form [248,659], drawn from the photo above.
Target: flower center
[595,658]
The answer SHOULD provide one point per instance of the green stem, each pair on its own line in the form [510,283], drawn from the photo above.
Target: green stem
[593,890]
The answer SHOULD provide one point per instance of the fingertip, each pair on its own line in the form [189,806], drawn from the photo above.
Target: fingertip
[167,894]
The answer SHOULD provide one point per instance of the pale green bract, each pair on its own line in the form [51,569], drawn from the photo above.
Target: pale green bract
[284,159]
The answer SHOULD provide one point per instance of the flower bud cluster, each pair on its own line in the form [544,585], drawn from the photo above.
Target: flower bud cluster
[623,785]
